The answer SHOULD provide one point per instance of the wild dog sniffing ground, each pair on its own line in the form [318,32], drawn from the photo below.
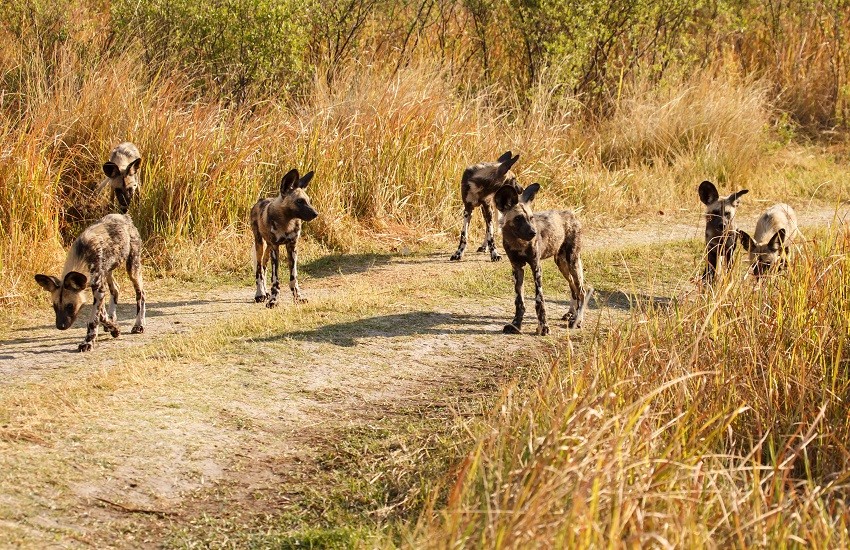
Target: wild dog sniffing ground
[332,422]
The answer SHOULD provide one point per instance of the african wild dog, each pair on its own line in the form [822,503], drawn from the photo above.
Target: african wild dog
[529,238]
[121,174]
[98,250]
[275,222]
[720,231]
[769,247]
[477,187]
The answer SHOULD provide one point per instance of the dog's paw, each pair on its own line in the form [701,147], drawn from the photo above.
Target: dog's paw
[137,329]
[510,328]
[542,330]
[456,257]
[495,256]
[85,346]
[482,248]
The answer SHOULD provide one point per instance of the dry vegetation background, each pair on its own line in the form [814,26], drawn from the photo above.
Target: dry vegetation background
[617,108]
[722,421]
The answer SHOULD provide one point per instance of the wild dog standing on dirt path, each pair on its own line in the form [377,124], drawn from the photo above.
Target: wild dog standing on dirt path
[275,222]
[529,238]
[121,174]
[98,250]
[769,247]
[477,187]
[720,231]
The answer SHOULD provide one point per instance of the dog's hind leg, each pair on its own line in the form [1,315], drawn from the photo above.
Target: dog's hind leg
[464,232]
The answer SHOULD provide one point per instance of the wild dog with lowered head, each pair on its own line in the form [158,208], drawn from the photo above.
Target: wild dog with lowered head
[769,247]
[477,187]
[93,257]
[122,174]
[275,222]
[529,238]
[720,230]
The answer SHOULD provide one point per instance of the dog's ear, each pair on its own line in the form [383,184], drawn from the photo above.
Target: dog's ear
[529,192]
[776,241]
[48,282]
[746,240]
[736,197]
[302,183]
[506,198]
[75,281]
[111,170]
[708,192]
[287,183]
[506,156]
[504,166]
[134,167]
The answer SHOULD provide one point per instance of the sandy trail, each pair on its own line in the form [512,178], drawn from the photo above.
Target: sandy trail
[242,422]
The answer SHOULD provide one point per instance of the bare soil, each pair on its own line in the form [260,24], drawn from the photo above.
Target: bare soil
[127,444]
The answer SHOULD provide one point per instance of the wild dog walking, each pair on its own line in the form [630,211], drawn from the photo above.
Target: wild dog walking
[122,174]
[529,238]
[720,230]
[93,257]
[769,247]
[275,222]
[477,187]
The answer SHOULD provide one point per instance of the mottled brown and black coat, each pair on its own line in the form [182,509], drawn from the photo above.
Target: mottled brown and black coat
[720,231]
[95,254]
[121,171]
[277,221]
[529,238]
[477,187]
[769,247]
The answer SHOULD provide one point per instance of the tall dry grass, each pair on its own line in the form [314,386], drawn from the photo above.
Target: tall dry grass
[717,422]
[388,146]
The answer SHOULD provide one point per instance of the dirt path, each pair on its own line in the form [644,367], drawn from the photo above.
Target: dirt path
[222,401]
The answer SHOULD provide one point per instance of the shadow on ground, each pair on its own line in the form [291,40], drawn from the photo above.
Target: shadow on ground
[617,299]
[344,264]
[126,317]
[413,323]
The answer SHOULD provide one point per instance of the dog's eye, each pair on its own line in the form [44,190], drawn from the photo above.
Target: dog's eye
[69,309]
[301,202]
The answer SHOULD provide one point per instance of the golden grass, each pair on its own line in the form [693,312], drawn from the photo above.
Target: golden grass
[387,148]
[717,421]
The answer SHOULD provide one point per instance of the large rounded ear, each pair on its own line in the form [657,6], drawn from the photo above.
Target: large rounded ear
[75,281]
[506,198]
[288,181]
[530,191]
[111,170]
[47,282]
[506,156]
[506,165]
[737,196]
[746,240]
[302,183]
[134,167]
[776,241]
[708,192]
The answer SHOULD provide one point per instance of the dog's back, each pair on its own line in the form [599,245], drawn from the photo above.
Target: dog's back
[779,216]
[557,228]
[107,242]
